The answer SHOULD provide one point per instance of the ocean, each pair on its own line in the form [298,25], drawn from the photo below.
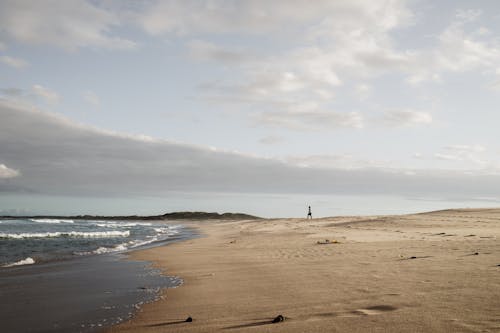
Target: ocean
[74,275]
[31,241]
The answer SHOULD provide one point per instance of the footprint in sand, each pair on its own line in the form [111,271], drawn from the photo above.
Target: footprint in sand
[322,316]
[368,311]
[375,310]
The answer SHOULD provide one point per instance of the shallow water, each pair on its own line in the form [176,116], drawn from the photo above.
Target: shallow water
[82,294]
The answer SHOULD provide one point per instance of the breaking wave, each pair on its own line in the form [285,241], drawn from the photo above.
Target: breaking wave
[97,234]
[50,239]
[54,221]
[121,224]
[27,261]
[133,243]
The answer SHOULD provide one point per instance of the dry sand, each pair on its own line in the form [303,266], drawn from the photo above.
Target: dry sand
[433,272]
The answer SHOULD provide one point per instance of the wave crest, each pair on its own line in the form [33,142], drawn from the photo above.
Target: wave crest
[97,234]
[27,261]
[54,221]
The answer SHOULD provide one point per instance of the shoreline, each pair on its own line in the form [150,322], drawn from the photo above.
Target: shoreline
[428,272]
[79,295]
[87,293]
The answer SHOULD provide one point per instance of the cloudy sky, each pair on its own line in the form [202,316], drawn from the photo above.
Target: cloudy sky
[122,107]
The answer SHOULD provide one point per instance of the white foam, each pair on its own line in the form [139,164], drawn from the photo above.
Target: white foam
[124,246]
[120,247]
[103,249]
[163,230]
[51,221]
[144,242]
[134,224]
[27,261]
[170,229]
[121,224]
[98,234]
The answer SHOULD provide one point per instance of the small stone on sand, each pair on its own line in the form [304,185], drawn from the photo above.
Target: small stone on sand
[278,319]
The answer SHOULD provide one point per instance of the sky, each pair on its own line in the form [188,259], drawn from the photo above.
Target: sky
[263,107]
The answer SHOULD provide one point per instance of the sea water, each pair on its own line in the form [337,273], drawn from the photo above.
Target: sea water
[75,275]
[31,241]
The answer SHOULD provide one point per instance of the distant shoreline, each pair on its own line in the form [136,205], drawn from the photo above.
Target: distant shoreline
[188,215]
[167,216]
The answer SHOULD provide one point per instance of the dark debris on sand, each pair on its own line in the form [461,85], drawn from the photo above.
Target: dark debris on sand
[278,319]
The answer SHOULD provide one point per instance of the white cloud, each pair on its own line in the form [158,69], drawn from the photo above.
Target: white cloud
[69,24]
[310,120]
[47,94]
[227,17]
[462,157]
[14,62]
[12,92]
[336,41]
[495,85]
[448,157]
[271,140]
[6,172]
[363,91]
[206,51]
[60,157]
[344,41]
[262,17]
[91,98]
[472,155]
[460,52]
[339,44]
[337,161]
[406,118]
[467,148]
[460,47]
[28,97]
[468,15]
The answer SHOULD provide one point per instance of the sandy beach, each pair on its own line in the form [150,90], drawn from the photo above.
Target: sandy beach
[431,272]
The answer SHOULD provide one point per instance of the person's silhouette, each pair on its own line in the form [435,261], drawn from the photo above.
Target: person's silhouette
[309,213]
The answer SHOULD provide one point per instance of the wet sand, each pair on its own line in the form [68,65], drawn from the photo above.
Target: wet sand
[83,294]
[433,272]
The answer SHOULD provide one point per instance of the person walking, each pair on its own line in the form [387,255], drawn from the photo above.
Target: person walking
[309,214]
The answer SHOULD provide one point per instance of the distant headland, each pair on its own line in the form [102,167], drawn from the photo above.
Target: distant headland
[167,216]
